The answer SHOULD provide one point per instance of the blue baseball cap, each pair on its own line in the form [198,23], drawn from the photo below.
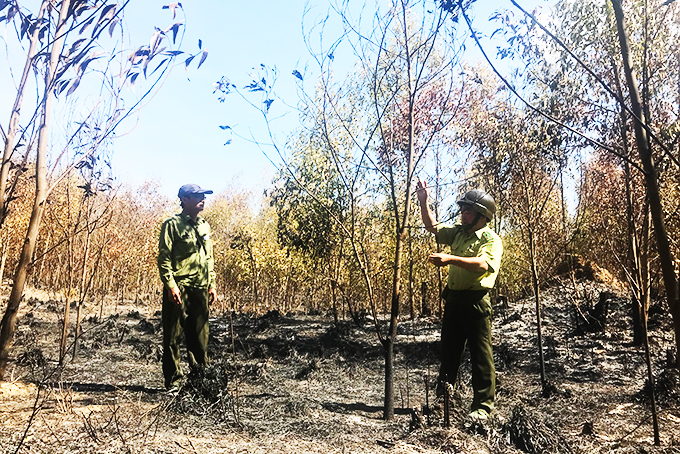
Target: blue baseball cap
[191,189]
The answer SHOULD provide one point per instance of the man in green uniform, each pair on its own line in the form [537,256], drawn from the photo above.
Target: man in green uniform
[185,263]
[474,262]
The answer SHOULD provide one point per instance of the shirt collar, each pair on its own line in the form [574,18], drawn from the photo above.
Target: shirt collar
[481,231]
[186,218]
[478,232]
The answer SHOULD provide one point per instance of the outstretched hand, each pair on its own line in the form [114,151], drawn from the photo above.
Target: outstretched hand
[439,259]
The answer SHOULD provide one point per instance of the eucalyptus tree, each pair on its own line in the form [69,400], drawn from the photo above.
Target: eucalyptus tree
[308,224]
[534,201]
[72,49]
[644,139]
[643,120]
[516,158]
[396,103]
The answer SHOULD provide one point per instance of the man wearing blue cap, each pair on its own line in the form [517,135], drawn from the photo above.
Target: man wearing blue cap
[185,263]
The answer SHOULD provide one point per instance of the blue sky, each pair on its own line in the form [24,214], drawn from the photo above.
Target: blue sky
[176,138]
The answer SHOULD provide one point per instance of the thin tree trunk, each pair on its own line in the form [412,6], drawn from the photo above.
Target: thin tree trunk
[38,277]
[286,293]
[256,297]
[334,301]
[388,342]
[437,198]
[633,243]
[335,277]
[137,285]
[424,308]
[8,323]
[82,291]
[67,306]
[644,278]
[101,309]
[16,110]
[563,206]
[652,390]
[388,349]
[109,285]
[400,221]
[652,185]
[534,281]
[5,248]
[411,303]
[645,273]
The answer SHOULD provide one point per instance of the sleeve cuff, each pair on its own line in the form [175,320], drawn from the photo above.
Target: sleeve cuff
[171,284]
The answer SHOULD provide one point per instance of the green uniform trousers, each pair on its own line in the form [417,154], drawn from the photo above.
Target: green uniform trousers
[467,319]
[189,319]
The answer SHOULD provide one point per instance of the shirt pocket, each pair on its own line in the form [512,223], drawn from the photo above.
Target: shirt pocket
[467,251]
[184,247]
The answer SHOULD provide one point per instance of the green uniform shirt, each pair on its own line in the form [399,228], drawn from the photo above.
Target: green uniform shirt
[185,255]
[481,243]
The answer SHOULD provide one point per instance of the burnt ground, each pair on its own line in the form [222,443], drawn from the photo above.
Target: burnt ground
[284,384]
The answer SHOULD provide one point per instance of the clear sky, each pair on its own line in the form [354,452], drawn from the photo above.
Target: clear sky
[176,138]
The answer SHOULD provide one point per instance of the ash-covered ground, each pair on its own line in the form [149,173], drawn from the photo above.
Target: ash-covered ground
[299,383]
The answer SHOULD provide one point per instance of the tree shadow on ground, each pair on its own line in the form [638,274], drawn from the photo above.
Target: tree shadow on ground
[337,407]
[103,387]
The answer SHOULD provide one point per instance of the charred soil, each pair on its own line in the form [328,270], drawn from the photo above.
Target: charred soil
[284,384]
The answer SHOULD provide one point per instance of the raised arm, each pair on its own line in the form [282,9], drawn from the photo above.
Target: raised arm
[428,218]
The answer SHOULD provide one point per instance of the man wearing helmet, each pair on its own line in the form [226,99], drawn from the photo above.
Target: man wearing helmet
[474,261]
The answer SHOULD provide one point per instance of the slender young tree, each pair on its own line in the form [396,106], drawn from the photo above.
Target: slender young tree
[21,273]
[643,143]
[35,27]
[376,127]
[405,101]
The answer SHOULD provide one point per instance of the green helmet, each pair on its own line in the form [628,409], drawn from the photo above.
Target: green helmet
[480,201]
